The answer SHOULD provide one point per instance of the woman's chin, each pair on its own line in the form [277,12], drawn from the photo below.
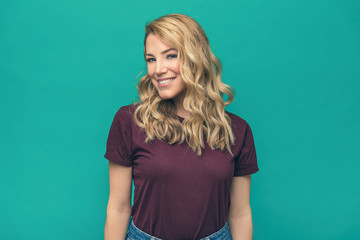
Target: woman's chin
[172,95]
[166,96]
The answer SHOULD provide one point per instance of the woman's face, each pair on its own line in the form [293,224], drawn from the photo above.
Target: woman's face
[163,68]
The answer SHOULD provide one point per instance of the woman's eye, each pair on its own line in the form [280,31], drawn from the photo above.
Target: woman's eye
[172,56]
[150,59]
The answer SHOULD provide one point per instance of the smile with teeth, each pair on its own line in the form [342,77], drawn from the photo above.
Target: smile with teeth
[166,80]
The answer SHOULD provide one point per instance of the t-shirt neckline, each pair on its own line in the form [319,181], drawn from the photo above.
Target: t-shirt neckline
[180,118]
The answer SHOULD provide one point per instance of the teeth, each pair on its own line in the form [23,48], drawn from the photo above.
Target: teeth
[166,80]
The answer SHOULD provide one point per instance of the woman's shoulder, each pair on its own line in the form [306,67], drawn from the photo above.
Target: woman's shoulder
[238,123]
[126,112]
[234,117]
[128,108]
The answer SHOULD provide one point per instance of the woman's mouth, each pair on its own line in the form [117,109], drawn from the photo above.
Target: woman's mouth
[165,82]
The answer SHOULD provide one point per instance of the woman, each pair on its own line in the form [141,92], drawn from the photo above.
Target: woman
[189,158]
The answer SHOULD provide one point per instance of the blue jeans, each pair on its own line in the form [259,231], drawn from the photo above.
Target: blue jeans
[136,234]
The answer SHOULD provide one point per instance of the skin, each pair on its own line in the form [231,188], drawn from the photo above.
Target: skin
[118,210]
[162,62]
[240,216]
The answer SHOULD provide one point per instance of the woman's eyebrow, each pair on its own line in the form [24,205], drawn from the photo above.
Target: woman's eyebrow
[163,52]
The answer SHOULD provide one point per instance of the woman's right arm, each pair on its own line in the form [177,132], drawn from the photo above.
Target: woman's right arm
[119,205]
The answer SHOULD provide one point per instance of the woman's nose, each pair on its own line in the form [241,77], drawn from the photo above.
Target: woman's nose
[160,68]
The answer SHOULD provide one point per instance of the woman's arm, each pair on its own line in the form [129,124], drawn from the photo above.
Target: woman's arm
[240,218]
[119,205]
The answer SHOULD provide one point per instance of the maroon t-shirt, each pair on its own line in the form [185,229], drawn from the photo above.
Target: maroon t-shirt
[179,195]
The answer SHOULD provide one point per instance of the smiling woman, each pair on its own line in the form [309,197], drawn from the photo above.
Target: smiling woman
[195,94]
[191,161]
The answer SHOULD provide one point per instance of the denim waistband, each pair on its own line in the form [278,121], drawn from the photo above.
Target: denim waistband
[137,234]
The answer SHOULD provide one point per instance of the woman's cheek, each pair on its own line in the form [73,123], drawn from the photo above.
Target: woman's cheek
[177,67]
[154,83]
[150,71]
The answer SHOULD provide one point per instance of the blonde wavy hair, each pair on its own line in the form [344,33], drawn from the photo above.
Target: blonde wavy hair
[201,71]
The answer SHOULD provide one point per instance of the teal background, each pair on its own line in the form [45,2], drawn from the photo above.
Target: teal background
[67,66]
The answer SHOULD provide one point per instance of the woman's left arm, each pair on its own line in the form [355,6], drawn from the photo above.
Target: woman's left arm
[240,217]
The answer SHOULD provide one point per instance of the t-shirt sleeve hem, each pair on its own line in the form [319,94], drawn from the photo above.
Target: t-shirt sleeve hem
[117,160]
[248,171]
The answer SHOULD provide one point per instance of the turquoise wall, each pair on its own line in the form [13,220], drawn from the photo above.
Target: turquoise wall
[67,66]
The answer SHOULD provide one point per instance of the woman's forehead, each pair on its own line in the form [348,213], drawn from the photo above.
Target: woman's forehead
[154,44]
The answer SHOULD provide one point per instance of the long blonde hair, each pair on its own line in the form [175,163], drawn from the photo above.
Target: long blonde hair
[201,71]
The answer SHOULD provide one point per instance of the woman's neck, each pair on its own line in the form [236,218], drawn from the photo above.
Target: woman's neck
[181,112]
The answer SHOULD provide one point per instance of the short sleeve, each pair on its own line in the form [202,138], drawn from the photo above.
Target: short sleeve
[118,145]
[246,160]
